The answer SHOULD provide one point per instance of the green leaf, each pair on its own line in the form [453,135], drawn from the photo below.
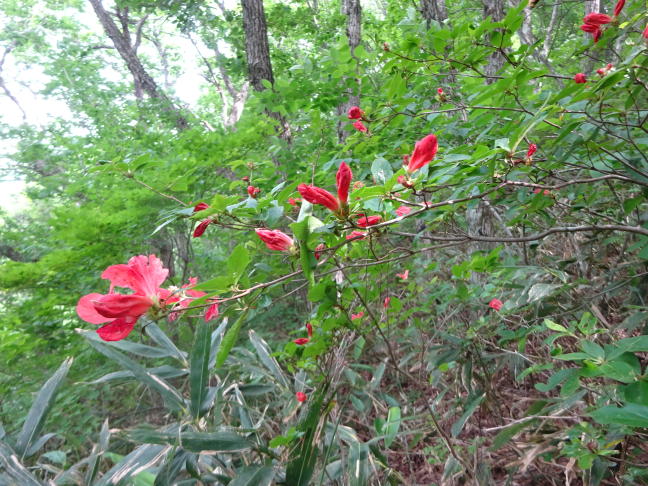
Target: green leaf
[381,170]
[253,476]
[157,335]
[238,262]
[221,441]
[633,345]
[392,425]
[358,464]
[468,411]
[10,465]
[137,461]
[263,351]
[40,408]
[134,348]
[171,396]
[632,415]
[199,371]
[556,327]
[540,291]
[229,339]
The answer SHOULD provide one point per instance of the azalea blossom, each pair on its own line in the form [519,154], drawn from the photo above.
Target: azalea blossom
[358,125]
[301,341]
[403,276]
[359,315]
[424,151]
[367,221]
[275,239]
[253,191]
[202,226]
[317,195]
[301,397]
[597,19]
[403,210]
[355,113]
[119,313]
[495,304]
[185,295]
[580,78]
[360,235]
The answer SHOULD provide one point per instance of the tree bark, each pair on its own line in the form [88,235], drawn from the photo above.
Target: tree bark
[353,11]
[257,52]
[526,30]
[127,49]
[495,10]
[433,10]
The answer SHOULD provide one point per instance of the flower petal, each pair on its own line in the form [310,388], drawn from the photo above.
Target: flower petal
[86,310]
[117,329]
[117,305]
[148,274]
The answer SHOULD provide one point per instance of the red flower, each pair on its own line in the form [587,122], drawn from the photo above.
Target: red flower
[440,91]
[403,210]
[495,304]
[301,397]
[118,312]
[355,113]
[367,221]
[356,235]
[618,7]
[403,276]
[343,180]
[212,312]
[200,207]
[645,32]
[183,301]
[318,250]
[532,150]
[294,201]
[590,28]
[597,19]
[359,315]
[580,78]
[309,329]
[424,151]
[253,191]
[275,239]
[316,195]
[301,341]
[386,302]
[200,229]
[360,126]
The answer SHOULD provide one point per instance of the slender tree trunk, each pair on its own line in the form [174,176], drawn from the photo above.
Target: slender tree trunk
[353,11]
[433,10]
[127,49]
[526,30]
[593,6]
[257,51]
[495,10]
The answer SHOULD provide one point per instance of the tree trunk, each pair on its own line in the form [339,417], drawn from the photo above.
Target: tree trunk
[353,11]
[593,6]
[121,39]
[495,10]
[526,31]
[433,10]
[258,56]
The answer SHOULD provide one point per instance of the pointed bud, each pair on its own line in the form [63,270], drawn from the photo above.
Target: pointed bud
[343,179]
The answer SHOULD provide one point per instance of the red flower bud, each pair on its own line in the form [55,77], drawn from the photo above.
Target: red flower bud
[355,113]
[424,151]
[597,19]
[316,195]
[245,178]
[357,316]
[618,7]
[200,207]
[356,235]
[200,229]
[495,304]
[301,397]
[580,78]
[275,239]
[440,91]
[253,191]
[318,250]
[386,302]
[645,32]
[403,210]
[532,150]
[360,126]
[301,341]
[590,28]
[343,179]
[309,329]
[367,221]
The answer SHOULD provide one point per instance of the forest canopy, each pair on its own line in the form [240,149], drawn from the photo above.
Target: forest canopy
[354,242]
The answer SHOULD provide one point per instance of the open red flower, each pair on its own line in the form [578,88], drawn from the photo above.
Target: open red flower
[495,304]
[424,151]
[367,221]
[355,113]
[403,210]
[301,397]
[580,78]
[403,276]
[275,239]
[118,312]
[358,125]
[183,297]
[359,315]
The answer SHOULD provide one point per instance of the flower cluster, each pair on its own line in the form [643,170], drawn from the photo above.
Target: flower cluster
[593,22]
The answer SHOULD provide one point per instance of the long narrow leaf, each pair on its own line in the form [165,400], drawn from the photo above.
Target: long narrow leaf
[157,335]
[134,463]
[40,408]
[253,476]
[216,338]
[222,441]
[229,339]
[130,347]
[263,350]
[10,464]
[199,372]
[172,398]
